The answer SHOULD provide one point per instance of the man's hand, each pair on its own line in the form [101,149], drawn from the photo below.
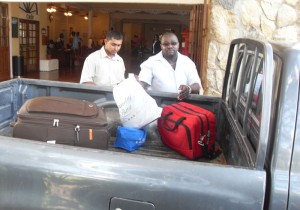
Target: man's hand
[89,83]
[184,91]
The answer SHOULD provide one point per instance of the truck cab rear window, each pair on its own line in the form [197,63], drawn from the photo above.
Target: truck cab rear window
[246,92]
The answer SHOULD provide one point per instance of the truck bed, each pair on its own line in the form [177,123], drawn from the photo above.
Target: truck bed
[152,147]
[16,92]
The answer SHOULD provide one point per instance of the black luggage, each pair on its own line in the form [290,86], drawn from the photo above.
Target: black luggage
[61,120]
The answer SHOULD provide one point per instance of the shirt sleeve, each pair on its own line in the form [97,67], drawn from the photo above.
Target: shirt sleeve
[146,74]
[123,70]
[121,73]
[88,71]
[193,76]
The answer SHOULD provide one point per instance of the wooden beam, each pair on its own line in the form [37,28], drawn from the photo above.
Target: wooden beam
[199,37]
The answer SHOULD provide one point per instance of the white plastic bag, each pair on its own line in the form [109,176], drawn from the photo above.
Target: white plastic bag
[136,107]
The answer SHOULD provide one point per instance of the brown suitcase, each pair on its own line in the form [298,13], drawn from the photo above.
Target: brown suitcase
[61,120]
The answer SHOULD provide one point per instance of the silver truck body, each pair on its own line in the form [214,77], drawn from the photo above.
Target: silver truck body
[284,174]
[261,169]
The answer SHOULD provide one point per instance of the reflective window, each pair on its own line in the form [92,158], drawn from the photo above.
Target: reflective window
[254,119]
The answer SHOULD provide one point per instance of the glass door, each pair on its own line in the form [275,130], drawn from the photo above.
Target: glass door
[4,43]
[29,44]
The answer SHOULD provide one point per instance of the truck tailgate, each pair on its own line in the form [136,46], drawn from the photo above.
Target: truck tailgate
[36,175]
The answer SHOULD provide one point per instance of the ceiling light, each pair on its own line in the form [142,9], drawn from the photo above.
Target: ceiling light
[51,9]
[68,13]
[86,17]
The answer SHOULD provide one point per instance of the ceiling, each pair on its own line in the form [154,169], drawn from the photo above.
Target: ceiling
[178,9]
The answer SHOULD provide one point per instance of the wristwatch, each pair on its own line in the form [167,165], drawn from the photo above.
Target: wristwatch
[190,89]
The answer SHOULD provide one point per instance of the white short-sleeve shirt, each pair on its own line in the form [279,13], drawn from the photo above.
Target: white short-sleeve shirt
[159,74]
[99,68]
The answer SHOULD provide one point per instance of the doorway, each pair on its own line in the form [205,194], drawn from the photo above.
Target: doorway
[29,44]
[4,43]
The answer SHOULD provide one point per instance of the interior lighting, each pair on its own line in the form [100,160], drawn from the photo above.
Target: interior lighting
[68,13]
[51,9]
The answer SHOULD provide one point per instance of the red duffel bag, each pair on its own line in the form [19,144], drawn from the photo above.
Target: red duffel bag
[188,129]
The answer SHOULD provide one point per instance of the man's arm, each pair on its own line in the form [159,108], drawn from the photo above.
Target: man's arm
[195,88]
[192,77]
[144,85]
[88,71]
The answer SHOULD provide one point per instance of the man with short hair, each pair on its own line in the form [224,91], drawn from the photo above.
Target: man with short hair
[170,71]
[105,66]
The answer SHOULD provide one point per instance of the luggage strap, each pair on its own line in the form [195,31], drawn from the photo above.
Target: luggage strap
[177,122]
[201,141]
[213,153]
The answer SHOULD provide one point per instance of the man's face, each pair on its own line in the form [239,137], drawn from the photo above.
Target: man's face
[112,46]
[169,45]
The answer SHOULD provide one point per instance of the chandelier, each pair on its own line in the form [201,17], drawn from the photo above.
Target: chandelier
[51,9]
[68,13]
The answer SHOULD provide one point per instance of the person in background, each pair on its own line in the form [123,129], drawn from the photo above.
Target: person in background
[60,42]
[156,45]
[170,71]
[105,66]
[78,40]
[75,41]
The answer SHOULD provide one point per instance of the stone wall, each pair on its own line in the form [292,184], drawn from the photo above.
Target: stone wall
[271,20]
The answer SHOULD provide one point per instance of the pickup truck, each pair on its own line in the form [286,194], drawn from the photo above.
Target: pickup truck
[258,132]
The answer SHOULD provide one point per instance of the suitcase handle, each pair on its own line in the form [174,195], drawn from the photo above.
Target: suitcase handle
[176,124]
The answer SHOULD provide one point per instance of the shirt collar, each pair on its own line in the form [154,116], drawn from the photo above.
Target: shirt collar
[160,57]
[103,54]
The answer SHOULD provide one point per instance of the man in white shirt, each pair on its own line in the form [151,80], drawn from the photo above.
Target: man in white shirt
[105,67]
[170,71]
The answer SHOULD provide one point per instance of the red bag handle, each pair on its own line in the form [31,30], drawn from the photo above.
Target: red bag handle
[176,123]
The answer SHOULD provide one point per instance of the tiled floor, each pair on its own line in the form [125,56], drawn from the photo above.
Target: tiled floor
[63,74]
[72,74]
